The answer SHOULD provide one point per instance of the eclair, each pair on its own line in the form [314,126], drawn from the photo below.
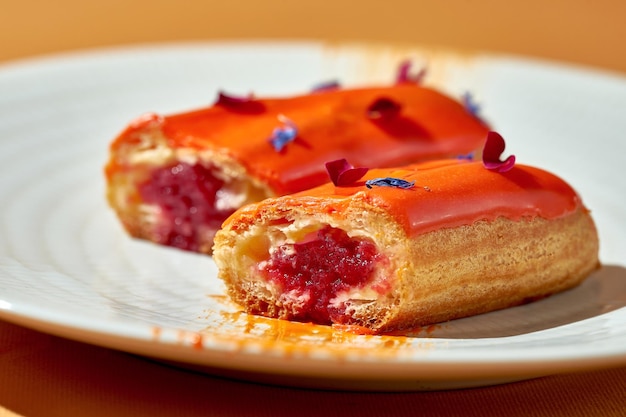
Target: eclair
[409,246]
[174,179]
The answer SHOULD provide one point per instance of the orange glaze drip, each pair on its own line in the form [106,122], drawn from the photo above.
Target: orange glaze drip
[453,193]
[331,125]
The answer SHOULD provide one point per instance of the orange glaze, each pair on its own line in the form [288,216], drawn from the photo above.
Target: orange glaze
[331,125]
[451,193]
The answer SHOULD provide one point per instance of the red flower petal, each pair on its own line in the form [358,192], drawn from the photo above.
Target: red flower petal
[494,146]
[239,104]
[342,173]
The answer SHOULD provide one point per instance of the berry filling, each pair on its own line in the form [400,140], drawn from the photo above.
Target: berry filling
[186,195]
[313,272]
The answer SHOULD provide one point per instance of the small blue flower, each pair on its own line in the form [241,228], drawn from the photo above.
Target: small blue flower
[466,157]
[389,182]
[282,135]
[470,104]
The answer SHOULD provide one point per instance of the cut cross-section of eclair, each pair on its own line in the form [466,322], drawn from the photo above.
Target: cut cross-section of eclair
[410,246]
[174,179]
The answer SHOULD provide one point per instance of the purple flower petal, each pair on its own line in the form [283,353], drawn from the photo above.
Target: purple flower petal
[466,157]
[472,107]
[404,74]
[389,182]
[470,104]
[341,173]
[494,146]
[383,108]
[326,86]
[282,135]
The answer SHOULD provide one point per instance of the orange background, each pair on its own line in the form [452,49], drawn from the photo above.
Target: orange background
[576,31]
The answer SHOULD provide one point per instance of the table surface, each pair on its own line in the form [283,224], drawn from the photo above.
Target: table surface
[44,375]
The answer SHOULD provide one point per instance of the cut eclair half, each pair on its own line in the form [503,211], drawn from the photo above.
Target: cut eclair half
[408,246]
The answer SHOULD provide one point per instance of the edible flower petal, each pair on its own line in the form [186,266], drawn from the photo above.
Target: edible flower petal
[282,135]
[389,182]
[326,86]
[383,108]
[472,107]
[494,146]
[466,157]
[342,173]
[227,99]
[470,104]
[404,74]
[242,104]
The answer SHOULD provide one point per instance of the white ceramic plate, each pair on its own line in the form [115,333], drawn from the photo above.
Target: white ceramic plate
[66,266]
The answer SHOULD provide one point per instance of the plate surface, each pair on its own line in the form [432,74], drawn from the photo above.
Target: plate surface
[67,268]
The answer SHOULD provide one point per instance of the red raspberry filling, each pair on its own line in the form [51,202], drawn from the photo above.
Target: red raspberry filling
[186,195]
[318,269]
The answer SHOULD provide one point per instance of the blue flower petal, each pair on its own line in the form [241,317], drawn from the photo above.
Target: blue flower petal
[389,182]
[283,135]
